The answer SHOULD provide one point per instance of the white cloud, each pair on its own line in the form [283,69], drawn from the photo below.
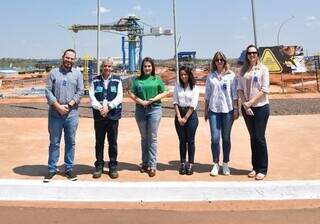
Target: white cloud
[310,19]
[137,8]
[102,10]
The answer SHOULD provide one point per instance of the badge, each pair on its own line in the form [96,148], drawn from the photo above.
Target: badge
[255,78]
[113,89]
[224,86]
[64,82]
[139,88]
[99,89]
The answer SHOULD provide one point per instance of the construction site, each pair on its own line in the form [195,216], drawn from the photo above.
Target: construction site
[290,71]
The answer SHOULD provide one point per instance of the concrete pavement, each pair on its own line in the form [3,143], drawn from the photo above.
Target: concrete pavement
[292,140]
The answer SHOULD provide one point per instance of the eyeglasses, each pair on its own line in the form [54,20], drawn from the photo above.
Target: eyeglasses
[219,60]
[252,53]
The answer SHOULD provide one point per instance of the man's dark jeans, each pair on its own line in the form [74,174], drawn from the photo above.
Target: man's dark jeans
[109,127]
[256,126]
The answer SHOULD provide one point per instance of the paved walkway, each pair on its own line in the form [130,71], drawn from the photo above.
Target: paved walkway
[293,143]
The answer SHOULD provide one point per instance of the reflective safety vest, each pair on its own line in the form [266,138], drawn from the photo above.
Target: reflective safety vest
[109,94]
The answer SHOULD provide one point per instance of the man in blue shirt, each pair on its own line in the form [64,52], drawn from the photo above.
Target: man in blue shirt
[63,92]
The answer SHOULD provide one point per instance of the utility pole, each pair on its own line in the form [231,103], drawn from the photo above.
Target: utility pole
[254,22]
[282,24]
[278,44]
[175,39]
[98,37]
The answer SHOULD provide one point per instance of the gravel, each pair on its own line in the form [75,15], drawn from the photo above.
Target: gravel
[278,107]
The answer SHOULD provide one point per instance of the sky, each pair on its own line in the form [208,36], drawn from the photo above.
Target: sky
[37,28]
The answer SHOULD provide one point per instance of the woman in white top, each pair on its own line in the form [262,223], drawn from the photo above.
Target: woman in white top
[185,101]
[221,108]
[253,91]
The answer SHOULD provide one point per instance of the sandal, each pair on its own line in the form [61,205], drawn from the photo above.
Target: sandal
[260,176]
[252,174]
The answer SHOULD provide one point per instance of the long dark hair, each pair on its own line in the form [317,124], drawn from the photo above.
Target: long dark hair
[246,63]
[148,59]
[189,72]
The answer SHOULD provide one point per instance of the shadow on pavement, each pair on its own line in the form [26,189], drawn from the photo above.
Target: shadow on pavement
[80,169]
[41,170]
[127,166]
[198,168]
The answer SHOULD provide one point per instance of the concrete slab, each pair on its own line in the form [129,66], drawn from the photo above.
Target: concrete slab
[293,150]
[164,191]
[293,153]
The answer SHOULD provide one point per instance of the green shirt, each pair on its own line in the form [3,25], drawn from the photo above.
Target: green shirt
[148,86]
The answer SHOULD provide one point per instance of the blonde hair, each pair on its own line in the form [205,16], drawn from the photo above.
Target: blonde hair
[217,55]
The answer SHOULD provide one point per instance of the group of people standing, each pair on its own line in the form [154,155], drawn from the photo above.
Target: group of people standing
[222,90]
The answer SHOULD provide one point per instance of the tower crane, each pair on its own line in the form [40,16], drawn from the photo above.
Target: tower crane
[132,32]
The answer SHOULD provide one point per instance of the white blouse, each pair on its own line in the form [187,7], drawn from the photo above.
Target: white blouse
[254,81]
[221,91]
[186,97]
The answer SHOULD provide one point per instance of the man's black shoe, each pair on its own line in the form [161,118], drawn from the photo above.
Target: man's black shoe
[49,177]
[182,169]
[71,176]
[97,173]
[113,173]
[189,169]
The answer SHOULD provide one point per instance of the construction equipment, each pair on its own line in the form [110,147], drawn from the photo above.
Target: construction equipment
[134,31]
[187,58]
[87,72]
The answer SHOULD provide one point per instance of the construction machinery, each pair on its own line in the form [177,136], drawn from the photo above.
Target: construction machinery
[132,31]
[187,58]
[87,72]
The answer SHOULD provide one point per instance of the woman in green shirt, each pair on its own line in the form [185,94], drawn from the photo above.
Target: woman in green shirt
[147,90]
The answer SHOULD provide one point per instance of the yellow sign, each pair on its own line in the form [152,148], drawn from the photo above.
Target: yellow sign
[271,61]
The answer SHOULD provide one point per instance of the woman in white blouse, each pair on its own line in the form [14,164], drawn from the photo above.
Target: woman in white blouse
[185,101]
[221,108]
[253,91]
